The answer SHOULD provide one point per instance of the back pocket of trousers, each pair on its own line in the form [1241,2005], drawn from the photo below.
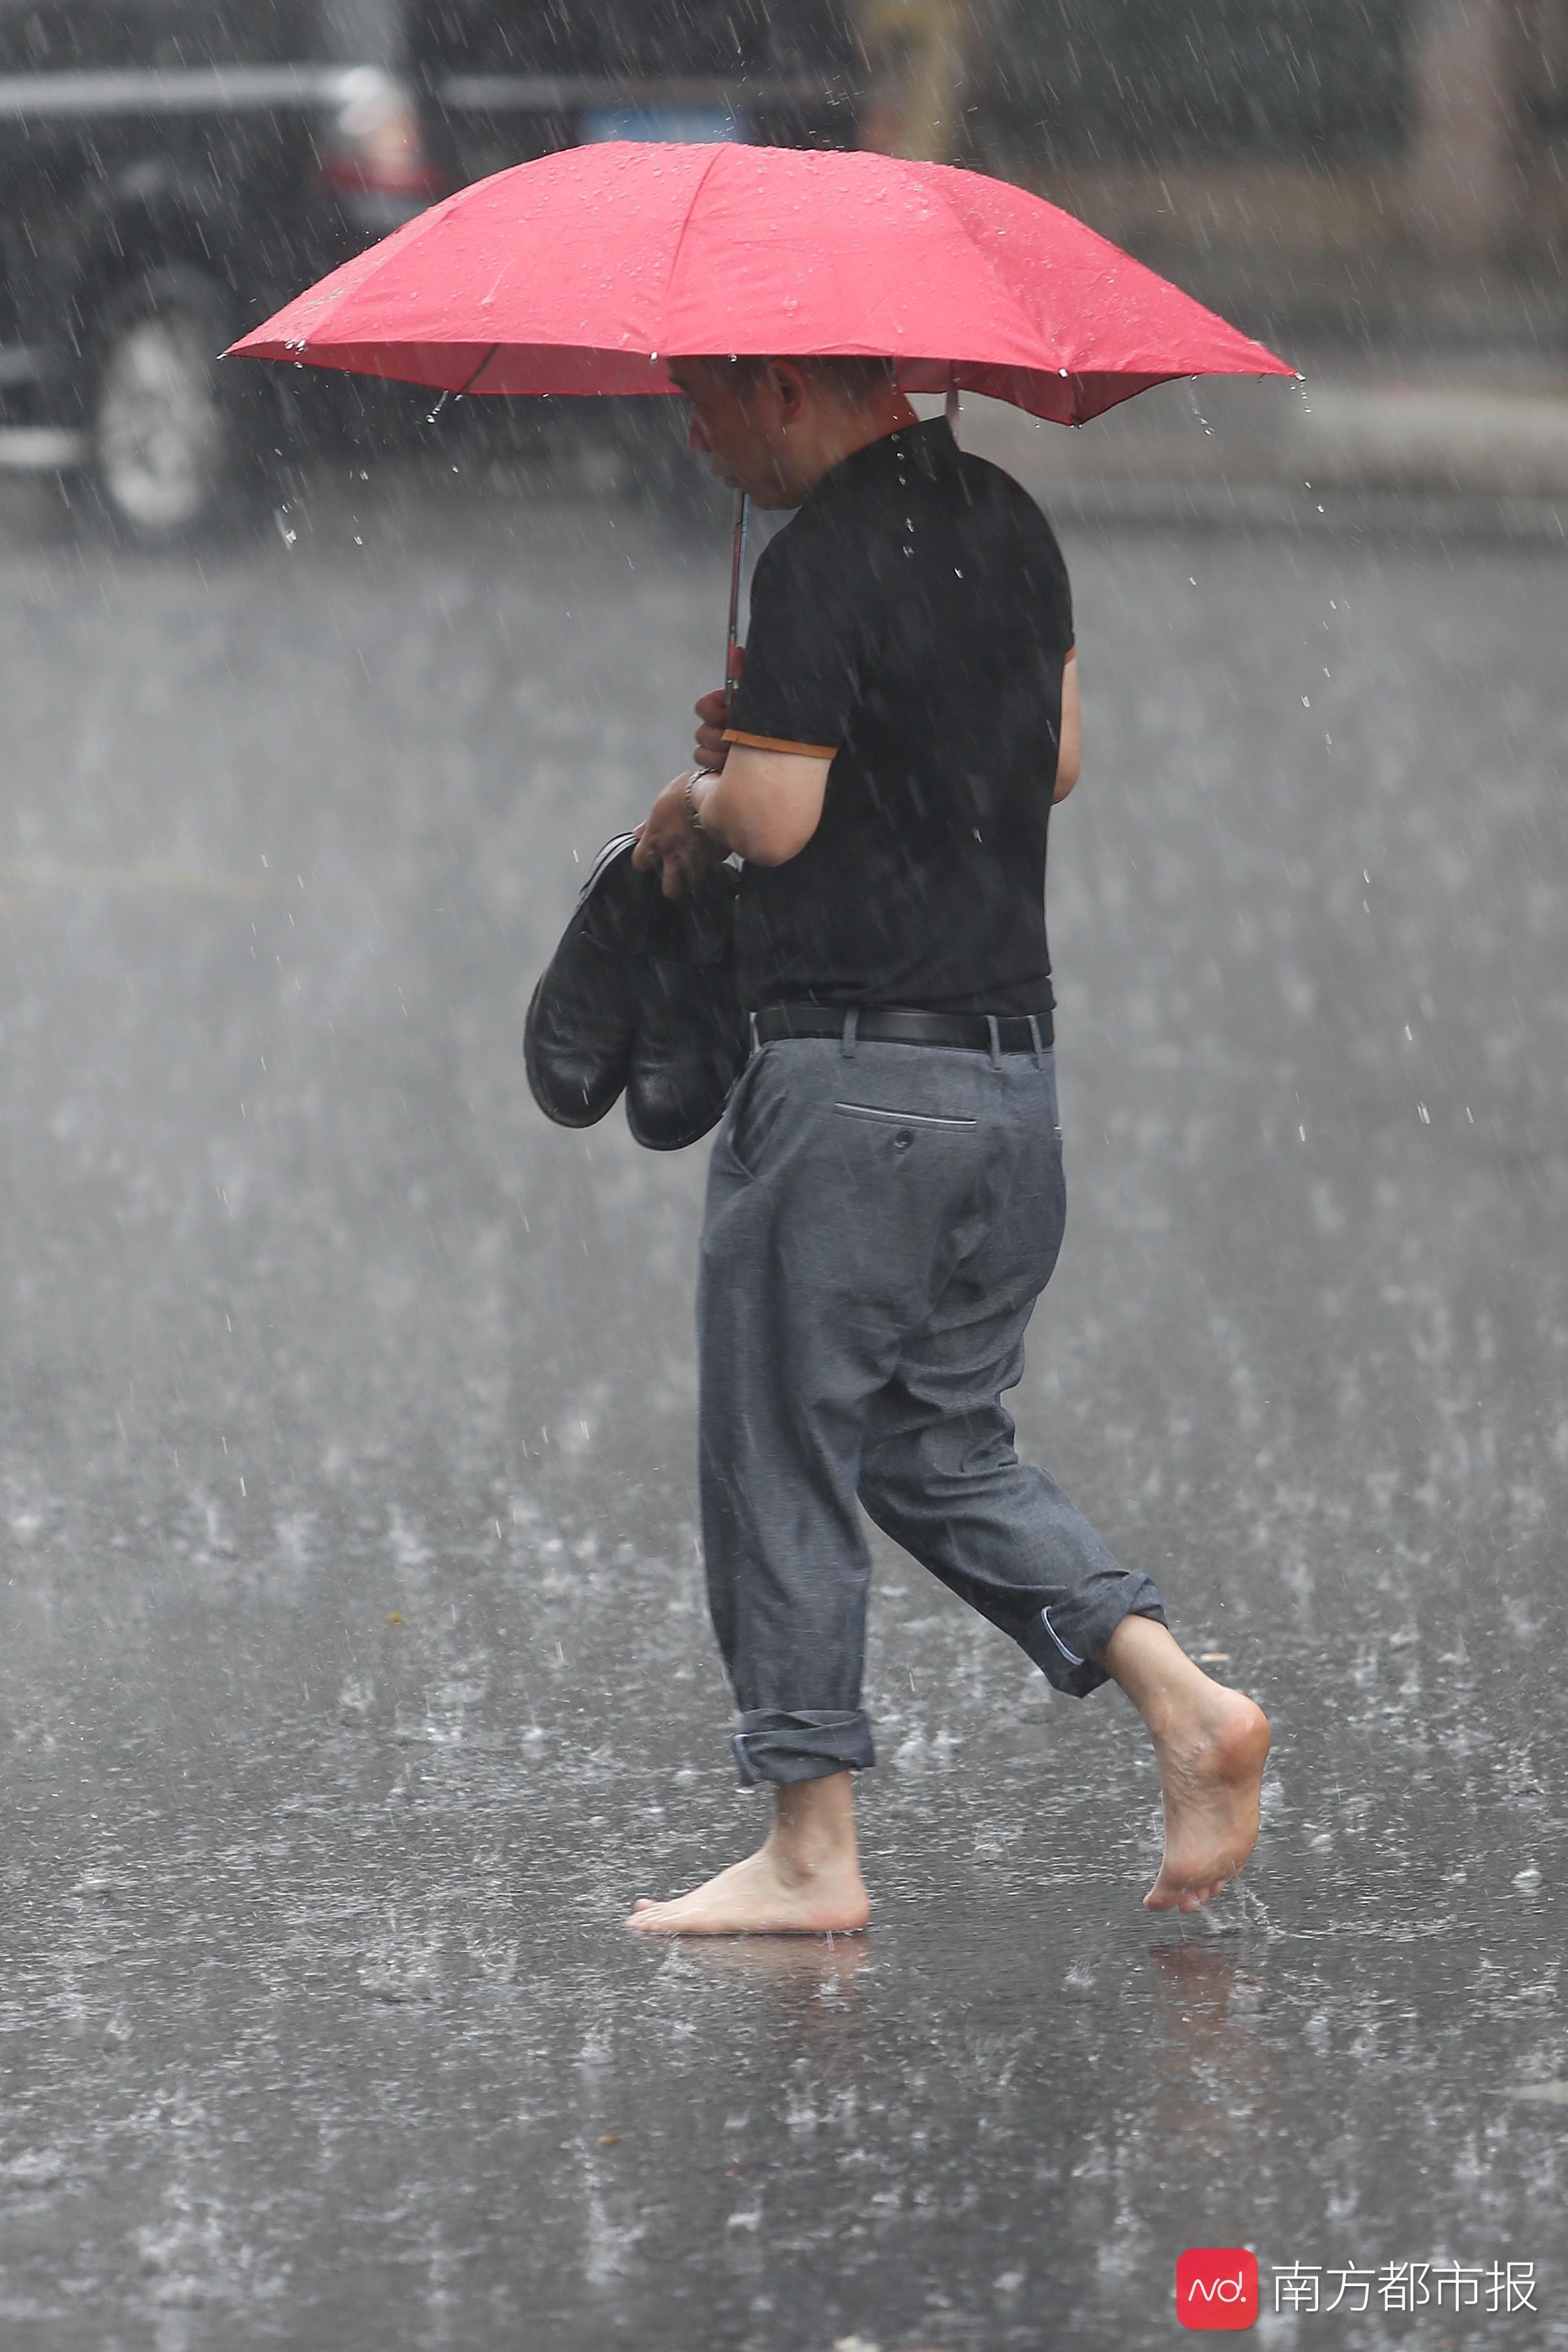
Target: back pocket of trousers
[874,1112]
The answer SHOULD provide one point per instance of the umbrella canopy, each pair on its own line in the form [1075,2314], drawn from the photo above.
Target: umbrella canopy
[584,271]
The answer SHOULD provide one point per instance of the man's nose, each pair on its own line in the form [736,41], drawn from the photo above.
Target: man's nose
[695,439]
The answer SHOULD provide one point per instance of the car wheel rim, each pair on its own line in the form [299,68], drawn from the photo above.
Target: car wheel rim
[160,427]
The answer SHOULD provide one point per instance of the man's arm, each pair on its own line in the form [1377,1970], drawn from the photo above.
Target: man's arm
[765,806]
[762,806]
[1069,753]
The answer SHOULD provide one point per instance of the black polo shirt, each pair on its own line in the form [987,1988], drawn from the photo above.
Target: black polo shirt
[911,620]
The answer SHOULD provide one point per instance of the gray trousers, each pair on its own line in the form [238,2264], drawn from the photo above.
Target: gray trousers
[881,1220]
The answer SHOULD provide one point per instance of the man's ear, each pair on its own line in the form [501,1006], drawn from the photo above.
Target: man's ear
[789,385]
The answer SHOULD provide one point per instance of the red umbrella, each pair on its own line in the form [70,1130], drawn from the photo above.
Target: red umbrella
[584,271]
[581,272]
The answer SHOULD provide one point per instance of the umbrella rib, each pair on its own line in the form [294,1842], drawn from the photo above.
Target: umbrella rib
[681,241]
[1015,302]
[467,388]
[414,232]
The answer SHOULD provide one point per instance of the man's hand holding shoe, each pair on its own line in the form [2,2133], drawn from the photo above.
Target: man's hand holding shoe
[671,840]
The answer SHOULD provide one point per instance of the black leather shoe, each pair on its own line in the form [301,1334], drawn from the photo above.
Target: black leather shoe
[577,1039]
[690,1038]
[640,995]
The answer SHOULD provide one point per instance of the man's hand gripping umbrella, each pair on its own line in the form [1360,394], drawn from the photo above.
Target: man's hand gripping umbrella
[885,1197]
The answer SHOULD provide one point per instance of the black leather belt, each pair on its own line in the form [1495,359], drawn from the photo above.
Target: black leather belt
[898,1025]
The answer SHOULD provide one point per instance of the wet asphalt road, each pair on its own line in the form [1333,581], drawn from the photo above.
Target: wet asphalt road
[355,1674]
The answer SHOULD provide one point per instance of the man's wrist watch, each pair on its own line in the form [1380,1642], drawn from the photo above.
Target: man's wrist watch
[693,816]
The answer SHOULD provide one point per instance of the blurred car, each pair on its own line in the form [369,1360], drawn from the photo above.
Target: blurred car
[168,170]
[171,170]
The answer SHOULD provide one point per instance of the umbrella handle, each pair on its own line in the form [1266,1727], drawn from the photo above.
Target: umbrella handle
[737,566]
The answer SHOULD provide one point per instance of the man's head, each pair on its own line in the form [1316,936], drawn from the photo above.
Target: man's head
[772,427]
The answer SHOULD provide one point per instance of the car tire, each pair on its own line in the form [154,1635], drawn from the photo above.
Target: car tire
[174,455]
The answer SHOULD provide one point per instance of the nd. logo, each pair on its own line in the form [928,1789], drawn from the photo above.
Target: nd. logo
[1217,2286]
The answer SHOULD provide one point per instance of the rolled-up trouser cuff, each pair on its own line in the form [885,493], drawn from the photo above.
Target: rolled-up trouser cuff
[1066,1639]
[774,1745]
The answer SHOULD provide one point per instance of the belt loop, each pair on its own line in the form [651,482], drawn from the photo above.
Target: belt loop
[851,1027]
[751,1026]
[1035,1040]
[994,1026]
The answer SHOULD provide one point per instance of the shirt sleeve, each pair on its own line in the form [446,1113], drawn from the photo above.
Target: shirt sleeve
[1049,584]
[804,651]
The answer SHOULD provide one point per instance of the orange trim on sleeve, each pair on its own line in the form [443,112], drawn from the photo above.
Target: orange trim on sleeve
[772,743]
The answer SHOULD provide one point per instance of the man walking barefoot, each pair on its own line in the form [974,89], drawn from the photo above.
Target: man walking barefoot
[885,1201]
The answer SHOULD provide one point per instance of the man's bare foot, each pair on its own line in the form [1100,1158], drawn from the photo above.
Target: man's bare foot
[803,1880]
[1211,1743]
[1211,1775]
[755,1897]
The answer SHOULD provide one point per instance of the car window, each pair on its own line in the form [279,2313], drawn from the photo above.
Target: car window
[63,36]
